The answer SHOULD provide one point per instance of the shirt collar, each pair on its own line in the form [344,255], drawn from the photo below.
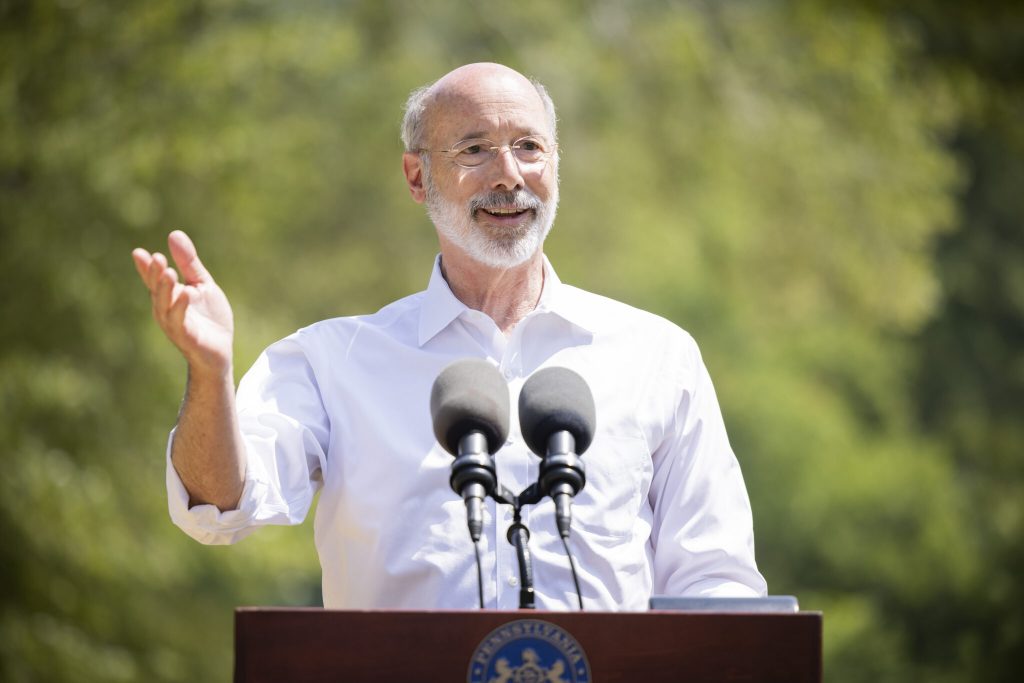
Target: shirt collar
[440,306]
[564,301]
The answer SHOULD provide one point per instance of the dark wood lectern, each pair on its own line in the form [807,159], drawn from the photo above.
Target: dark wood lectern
[312,645]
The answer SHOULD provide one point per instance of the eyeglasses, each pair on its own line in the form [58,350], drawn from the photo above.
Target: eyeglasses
[528,151]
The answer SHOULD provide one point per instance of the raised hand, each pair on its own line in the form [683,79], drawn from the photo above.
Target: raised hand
[192,311]
[207,451]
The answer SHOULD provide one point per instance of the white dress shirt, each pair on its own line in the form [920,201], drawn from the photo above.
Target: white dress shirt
[343,406]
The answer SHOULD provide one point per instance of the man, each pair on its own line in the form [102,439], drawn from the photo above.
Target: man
[342,405]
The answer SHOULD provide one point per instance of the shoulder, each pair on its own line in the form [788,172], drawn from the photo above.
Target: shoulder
[397,319]
[328,345]
[605,316]
[660,356]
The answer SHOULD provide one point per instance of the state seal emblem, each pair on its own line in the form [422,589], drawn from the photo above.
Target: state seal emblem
[529,651]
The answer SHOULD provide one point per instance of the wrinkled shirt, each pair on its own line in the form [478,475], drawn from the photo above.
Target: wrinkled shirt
[342,406]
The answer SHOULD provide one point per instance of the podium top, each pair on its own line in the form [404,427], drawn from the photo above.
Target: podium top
[274,644]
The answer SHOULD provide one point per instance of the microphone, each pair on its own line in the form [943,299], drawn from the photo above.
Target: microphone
[470,411]
[557,418]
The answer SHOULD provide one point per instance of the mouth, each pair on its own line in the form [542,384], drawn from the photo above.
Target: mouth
[506,216]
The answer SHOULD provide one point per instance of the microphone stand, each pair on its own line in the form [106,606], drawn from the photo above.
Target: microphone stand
[519,537]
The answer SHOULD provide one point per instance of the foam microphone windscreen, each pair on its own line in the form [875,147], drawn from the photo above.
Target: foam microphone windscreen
[470,394]
[553,400]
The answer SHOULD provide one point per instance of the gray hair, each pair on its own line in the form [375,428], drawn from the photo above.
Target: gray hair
[413,120]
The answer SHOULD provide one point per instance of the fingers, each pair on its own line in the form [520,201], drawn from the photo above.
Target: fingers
[171,298]
[182,250]
[170,305]
[141,259]
[163,296]
[187,258]
[150,267]
[180,300]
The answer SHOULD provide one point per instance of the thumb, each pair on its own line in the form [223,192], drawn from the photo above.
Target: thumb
[187,259]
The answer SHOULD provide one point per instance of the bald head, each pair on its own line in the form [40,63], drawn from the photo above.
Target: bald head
[473,83]
[468,76]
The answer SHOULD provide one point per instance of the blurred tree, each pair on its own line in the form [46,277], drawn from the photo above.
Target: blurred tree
[969,384]
[773,176]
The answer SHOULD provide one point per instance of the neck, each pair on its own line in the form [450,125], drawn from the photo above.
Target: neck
[506,295]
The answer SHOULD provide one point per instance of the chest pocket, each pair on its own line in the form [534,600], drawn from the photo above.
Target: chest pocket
[619,474]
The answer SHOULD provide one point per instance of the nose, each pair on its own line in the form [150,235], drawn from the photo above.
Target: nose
[506,174]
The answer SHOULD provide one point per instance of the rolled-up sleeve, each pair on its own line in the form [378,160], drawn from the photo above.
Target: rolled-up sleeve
[286,432]
[702,535]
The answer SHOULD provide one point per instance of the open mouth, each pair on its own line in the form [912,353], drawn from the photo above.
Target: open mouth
[505,213]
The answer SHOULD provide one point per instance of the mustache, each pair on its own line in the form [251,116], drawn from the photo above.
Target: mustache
[521,200]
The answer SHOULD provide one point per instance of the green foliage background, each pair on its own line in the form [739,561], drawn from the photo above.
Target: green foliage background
[829,198]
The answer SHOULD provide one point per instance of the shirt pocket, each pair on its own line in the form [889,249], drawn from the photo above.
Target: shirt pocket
[619,472]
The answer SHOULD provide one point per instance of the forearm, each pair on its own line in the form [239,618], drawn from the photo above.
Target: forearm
[208,452]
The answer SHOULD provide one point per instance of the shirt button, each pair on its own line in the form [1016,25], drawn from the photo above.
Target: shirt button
[508,374]
[513,581]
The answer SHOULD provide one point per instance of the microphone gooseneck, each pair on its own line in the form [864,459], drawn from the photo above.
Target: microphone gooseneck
[474,478]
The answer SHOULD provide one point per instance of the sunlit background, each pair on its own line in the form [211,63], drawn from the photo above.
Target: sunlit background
[827,195]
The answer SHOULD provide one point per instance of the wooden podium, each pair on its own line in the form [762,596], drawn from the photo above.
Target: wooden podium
[313,645]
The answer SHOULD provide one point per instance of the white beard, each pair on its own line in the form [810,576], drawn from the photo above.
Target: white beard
[513,245]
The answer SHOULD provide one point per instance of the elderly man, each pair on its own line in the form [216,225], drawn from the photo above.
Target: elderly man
[342,405]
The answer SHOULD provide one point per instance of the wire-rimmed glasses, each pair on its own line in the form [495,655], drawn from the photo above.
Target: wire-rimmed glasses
[528,150]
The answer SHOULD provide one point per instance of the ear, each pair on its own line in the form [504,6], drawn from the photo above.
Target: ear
[412,166]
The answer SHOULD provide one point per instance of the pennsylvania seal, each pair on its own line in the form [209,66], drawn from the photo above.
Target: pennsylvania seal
[529,651]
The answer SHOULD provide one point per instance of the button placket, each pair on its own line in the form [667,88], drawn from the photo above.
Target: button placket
[505,556]
[491,524]
[512,462]
[506,563]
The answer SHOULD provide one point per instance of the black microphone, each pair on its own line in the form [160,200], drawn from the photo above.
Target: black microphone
[557,417]
[469,407]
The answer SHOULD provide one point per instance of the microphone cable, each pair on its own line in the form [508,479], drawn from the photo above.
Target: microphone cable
[480,573]
[572,567]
